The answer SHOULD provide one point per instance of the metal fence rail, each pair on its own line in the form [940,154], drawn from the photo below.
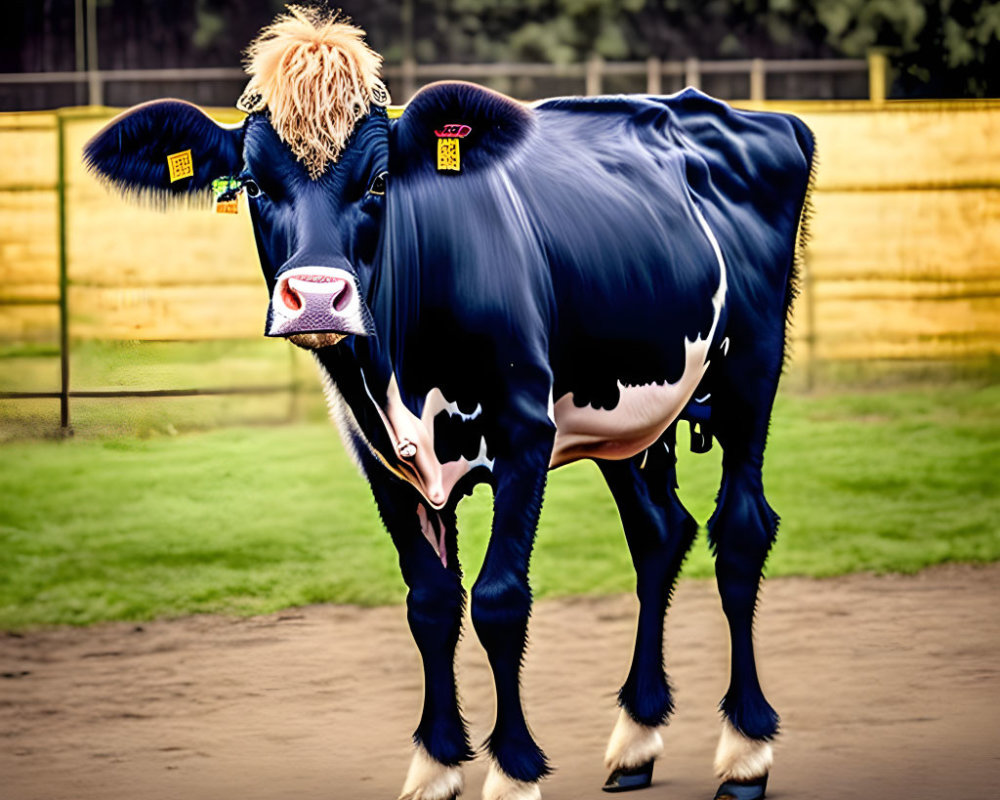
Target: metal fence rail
[65,392]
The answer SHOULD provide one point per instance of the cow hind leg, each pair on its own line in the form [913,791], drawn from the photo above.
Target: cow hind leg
[741,532]
[659,532]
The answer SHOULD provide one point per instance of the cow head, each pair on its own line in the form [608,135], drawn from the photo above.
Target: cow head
[312,157]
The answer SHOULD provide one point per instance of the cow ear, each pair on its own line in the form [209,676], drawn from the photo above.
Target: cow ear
[164,151]
[494,126]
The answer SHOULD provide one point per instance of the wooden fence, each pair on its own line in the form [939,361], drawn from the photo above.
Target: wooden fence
[904,261]
[730,78]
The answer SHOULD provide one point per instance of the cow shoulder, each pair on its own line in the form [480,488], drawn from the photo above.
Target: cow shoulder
[494,126]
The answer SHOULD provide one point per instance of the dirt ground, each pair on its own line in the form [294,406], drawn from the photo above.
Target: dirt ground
[888,687]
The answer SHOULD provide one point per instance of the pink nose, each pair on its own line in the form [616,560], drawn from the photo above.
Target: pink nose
[316,291]
[317,300]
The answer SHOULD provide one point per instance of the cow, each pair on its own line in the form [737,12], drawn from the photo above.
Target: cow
[492,289]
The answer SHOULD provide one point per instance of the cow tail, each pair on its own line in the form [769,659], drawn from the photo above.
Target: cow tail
[802,234]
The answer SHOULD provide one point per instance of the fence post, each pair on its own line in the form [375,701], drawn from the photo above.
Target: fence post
[409,80]
[94,80]
[294,400]
[64,420]
[877,68]
[810,297]
[654,72]
[595,66]
[79,49]
[692,73]
[758,80]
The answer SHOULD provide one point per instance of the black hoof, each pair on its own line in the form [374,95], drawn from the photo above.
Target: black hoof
[625,780]
[742,790]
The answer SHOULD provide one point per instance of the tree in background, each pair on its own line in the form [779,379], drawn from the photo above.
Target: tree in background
[938,48]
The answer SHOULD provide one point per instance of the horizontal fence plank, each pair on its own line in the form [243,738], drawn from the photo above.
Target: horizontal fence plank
[28,120]
[29,259]
[971,348]
[887,328]
[908,146]
[917,234]
[113,243]
[29,323]
[173,312]
[907,289]
[26,158]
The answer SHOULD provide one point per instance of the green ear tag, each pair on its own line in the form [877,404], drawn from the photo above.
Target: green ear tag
[227,192]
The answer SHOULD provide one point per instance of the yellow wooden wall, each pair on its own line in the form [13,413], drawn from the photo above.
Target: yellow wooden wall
[904,261]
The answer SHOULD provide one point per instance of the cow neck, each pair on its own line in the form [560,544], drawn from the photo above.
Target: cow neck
[397,437]
[352,372]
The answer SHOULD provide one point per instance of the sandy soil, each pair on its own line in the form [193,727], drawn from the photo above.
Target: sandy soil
[888,688]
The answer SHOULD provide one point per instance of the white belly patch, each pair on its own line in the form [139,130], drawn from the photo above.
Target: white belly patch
[642,415]
[643,412]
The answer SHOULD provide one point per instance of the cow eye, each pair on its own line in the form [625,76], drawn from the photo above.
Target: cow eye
[378,185]
[253,190]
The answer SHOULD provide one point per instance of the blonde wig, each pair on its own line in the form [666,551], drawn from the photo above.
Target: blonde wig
[317,77]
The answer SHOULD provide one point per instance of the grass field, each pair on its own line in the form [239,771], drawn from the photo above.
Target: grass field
[247,520]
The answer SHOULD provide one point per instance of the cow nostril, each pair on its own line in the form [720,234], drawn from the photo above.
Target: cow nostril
[291,298]
[343,297]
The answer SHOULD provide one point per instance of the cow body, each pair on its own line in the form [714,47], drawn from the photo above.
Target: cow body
[596,270]
[599,271]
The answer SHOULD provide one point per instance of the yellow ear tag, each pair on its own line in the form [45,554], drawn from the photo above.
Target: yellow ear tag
[448,155]
[180,165]
[227,206]
[448,147]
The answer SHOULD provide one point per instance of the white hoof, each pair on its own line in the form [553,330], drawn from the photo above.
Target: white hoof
[429,779]
[740,758]
[500,786]
[632,744]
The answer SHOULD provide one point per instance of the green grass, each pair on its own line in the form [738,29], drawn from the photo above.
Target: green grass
[248,520]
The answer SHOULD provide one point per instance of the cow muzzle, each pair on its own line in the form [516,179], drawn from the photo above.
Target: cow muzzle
[323,301]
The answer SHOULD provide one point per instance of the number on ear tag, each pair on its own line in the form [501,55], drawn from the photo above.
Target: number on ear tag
[180,165]
[449,158]
[227,206]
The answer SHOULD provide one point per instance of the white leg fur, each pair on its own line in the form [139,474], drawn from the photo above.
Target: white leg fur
[429,779]
[740,758]
[632,744]
[500,786]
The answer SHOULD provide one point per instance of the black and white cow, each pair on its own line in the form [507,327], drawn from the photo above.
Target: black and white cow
[493,289]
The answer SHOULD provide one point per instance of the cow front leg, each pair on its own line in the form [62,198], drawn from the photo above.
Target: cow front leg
[501,604]
[659,532]
[435,605]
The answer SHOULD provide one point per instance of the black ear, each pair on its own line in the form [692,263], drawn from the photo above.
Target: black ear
[132,152]
[496,125]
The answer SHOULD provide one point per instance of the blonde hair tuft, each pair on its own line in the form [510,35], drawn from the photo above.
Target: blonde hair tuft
[317,76]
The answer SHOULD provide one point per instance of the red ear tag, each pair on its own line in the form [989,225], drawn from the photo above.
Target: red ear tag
[453,132]
[448,152]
